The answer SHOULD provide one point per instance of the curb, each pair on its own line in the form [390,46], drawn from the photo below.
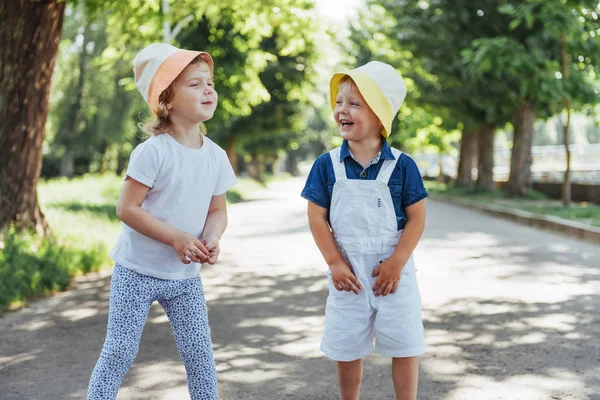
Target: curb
[550,223]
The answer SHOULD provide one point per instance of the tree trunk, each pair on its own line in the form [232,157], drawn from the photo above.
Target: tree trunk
[520,159]
[29,33]
[291,163]
[71,126]
[121,163]
[254,168]
[468,158]
[566,189]
[232,154]
[67,164]
[485,164]
[441,178]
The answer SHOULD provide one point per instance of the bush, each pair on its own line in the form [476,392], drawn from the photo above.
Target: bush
[31,266]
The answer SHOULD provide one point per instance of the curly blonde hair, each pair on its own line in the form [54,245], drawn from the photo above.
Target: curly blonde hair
[162,122]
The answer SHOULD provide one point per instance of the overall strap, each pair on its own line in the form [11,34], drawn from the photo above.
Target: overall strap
[388,167]
[339,168]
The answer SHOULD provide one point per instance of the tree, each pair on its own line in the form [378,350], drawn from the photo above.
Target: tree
[263,76]
[30,34]
[34,28]
[524,57]
[433,63]
[570,28]
[92,121]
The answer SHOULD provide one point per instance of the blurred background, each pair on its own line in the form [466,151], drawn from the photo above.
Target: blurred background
[502,105]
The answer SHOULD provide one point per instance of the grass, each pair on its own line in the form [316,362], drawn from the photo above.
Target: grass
[81,212]
[31,266]
[534,202]
[82,216]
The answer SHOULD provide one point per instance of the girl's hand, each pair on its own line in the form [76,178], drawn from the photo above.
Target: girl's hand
[343,278]
[189,248]
[388,277]
[212,245]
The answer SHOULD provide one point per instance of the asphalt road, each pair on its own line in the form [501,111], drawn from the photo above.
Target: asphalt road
[510,312]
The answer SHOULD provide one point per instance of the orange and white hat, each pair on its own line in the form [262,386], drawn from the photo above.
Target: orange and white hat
[157,66]
[381,86]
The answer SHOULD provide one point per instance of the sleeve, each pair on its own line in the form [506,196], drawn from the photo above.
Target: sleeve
[144,164]
[413,189]
[227,178]
[316,189]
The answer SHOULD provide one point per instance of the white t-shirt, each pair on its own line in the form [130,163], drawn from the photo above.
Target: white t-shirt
[182,182]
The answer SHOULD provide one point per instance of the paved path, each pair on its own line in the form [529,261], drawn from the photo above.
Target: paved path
[510,313]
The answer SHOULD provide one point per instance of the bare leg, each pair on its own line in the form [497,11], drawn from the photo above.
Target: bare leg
[405,373]
[349,378]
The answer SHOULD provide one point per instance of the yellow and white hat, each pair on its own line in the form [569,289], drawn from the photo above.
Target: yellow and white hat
[381,86]
[157,66]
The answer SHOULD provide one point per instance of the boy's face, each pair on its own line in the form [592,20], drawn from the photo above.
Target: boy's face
[195,98]
[355,119]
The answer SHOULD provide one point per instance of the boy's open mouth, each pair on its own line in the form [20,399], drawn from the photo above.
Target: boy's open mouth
[345,122]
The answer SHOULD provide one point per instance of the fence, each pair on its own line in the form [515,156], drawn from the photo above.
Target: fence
[548,164]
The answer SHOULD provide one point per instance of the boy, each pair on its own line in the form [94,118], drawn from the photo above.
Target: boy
[366,212]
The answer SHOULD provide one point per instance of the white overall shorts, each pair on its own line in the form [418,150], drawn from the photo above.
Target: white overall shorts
[364,225]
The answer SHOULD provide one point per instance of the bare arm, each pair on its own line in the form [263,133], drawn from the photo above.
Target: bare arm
[216,221]
[215,225]
[389,271]
[341,272]
[130,211]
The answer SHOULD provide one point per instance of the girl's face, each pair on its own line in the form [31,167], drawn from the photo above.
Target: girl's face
[194,97]
[355,119]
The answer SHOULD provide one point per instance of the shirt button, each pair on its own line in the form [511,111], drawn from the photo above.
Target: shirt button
[363,174]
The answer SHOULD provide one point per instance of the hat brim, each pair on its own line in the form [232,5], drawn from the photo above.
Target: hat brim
[169,70]
[371,93]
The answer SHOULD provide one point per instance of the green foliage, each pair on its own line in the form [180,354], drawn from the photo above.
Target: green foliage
[91,125]
[264,77]
[423,122]
[31,267]
[526,58]
[264,57]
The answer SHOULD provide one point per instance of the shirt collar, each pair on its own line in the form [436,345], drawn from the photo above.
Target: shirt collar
[385,152]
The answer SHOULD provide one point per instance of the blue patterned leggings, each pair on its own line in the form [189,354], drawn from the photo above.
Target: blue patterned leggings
[131,295]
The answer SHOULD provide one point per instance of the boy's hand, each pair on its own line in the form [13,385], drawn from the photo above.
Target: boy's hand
[388,277]
[343,278]
[212,245]
[189,248]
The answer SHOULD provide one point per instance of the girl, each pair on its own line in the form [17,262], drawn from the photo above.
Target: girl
[173,210]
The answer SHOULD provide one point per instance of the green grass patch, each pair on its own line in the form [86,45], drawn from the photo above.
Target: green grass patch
[82,212]
[31,266]
[534,202]
[581,212]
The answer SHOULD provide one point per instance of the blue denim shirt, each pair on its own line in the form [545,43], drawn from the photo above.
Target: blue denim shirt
[406,184]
